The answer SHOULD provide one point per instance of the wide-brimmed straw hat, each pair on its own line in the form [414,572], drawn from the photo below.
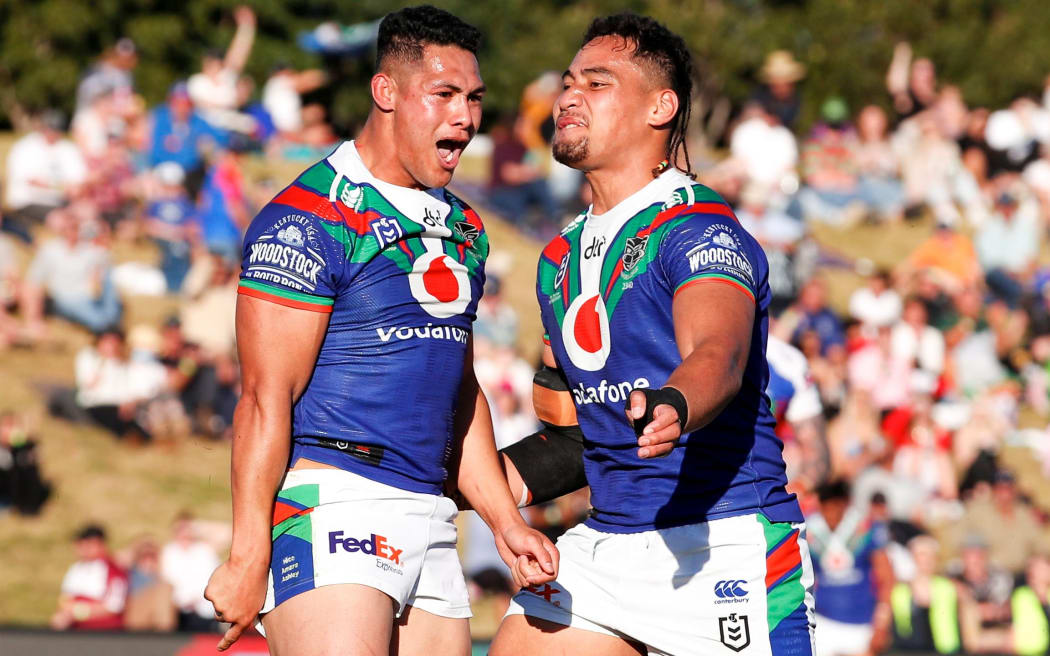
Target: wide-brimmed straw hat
[780,66]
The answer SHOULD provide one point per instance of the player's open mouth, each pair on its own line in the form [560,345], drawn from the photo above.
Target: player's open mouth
[449,150]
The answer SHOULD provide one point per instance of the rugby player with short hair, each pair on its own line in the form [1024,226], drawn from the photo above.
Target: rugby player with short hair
[655,304]
[359,284]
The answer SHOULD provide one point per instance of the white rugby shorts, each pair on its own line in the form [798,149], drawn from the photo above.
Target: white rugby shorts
[739,585]
[333,526]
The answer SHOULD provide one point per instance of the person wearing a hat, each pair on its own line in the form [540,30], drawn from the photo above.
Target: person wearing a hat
[778,94]
[179,134]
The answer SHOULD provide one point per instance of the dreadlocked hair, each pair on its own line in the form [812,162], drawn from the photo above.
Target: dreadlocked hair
[404,34]
[666,52]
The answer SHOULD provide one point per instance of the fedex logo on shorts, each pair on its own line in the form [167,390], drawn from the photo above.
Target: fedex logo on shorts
[374,545]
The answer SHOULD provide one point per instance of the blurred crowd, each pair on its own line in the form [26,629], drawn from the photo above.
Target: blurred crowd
[896,405]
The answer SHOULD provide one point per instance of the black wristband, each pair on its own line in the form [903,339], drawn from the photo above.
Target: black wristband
[663,396]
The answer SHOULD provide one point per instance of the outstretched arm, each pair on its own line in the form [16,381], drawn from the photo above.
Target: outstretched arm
[712,325]
[278,347]
[481,480]
[241,45]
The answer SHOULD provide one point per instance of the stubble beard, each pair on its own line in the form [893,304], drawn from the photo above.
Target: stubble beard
[571,153]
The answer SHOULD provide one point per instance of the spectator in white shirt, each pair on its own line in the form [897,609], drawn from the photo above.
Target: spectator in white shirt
[94,590]
[44,171]
[187,563]
[876,304]
[214,89]
[1008,243]
[914,341]
[282,97]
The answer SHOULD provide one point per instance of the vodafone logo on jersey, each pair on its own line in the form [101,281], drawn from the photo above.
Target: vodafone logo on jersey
[585,332]
[439,283]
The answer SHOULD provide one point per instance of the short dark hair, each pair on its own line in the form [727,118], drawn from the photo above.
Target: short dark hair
[403,34]
[834,489]
[664,51]
[90,532]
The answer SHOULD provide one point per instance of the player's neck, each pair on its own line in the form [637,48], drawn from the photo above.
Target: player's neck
[377,148]
[610,185]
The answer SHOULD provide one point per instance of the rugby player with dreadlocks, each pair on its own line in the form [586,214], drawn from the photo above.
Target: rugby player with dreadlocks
[655,302]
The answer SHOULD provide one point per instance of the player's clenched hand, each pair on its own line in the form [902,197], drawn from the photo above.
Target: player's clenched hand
[532,557]
[238,593]
[659,436]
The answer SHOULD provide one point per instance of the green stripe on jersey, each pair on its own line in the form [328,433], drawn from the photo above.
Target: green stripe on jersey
[287,293]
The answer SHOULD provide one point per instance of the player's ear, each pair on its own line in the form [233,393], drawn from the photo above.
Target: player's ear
[384,91]
[664,107]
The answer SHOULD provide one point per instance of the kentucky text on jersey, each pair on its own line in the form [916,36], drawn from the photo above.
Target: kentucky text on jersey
[401,272]
[605,287]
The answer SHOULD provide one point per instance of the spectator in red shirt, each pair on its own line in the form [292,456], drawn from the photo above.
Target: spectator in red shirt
[94,590]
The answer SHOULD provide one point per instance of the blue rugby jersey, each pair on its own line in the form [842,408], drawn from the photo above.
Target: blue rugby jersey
[401,272]
[605,288]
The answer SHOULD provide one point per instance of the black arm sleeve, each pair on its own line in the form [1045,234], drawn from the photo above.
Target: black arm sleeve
[550,462]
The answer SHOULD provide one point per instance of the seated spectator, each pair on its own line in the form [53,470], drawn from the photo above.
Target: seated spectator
[149,606]
[21,485]
[920,345]
[765,152]
[171,219]
[947,258]
[831,192]
[876,304]
[72,271]
[933,174]
[778,95]
[1006,523]
[178,134]
[516,183]
[10,290]
[186,563]
[214,89]
[94,590]
[877,165]
[800,425]
[924,457]
[852,576]
[114,73]
[113,388]
[497,321]
[44,171]
[874,370]
[1008,242]
[854,441]
[818,317]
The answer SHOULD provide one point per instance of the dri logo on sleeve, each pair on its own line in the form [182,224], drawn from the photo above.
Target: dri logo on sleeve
[374,545]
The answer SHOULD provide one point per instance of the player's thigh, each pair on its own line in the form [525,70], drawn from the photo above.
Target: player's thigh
[522,635]
[420,632]
[333,620]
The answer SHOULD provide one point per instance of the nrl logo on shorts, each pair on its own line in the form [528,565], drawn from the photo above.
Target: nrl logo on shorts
[633,251]
[466,230]
[734,631]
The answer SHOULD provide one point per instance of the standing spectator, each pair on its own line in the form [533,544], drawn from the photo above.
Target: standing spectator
[913,85]
[989,585]
[94,590]
[178,134]
[926,609]
[112,74]
[171,221]
[149,606]
[186,563]
[876,304]
[214,89]
[44,171]
[73,271]
[1029,604]
[1008,243]
[853,576]
[222,208]
[780,74]
[282,97]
